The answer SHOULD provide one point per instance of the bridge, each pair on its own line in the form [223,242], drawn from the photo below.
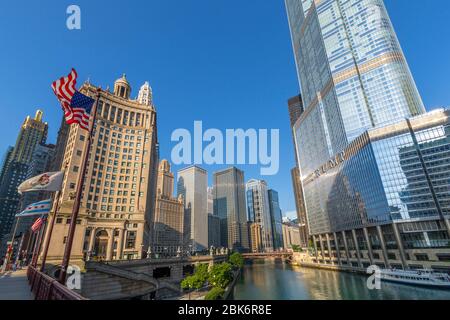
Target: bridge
[108,280]
[268,255]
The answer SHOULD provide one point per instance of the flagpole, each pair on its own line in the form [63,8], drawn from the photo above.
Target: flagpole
[9,254]
[37,246]
[76,206]
[50,231]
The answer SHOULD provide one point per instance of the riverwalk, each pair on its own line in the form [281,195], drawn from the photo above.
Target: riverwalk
[14,286]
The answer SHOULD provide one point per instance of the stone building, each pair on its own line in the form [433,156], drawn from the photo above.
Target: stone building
[169,215]
[115,220]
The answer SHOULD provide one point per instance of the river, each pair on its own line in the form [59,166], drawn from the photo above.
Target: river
[269,280]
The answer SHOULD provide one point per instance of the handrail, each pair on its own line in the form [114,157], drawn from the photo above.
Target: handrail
[44,287]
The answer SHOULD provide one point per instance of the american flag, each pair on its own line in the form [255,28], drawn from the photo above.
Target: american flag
[38,224]
[76,106]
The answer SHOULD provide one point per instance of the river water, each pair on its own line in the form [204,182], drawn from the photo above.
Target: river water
[269,280]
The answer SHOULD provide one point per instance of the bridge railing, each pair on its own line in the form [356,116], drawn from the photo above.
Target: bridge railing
[44,287]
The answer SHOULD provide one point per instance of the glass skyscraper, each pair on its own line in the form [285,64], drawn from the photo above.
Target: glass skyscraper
[352,72]
[374,166]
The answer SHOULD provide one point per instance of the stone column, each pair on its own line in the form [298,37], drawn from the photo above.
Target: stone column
[120,244]
[358,253]
[347,252]
[109,249]
[329,248]
[338,250]
[369,245]
[383,247]
[401,250]
[92,240]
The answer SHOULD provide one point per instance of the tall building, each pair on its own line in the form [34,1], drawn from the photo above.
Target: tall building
[60,149]
[210,204]
[32,133]
[258,207]
[229,205]
[6,160]
[300,206]
[116,215]
[373,182]
[213,231]
[256,241]
[295,106]
[276,219]
[169,215]
[193,185]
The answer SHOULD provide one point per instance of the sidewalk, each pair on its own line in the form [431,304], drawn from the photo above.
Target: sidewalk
[14,286]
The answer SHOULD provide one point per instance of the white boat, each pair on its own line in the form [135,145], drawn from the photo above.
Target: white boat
[417,277]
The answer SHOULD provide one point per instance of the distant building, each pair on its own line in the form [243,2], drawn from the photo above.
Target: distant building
[276,219]
[60,149]
[291,235]
[192,185]
[169,215]
[213,231]
[300,206]
[15,169]
[296,109]
[229,205]
[258,208]
[256,241]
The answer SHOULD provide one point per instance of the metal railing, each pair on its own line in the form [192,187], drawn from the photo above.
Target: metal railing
[44,287]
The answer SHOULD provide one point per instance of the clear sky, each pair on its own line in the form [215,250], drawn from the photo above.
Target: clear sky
[228,63]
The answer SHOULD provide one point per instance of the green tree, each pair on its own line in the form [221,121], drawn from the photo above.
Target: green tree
[202,272]
[215,294]
[221,275]
[188,283]
[236,260]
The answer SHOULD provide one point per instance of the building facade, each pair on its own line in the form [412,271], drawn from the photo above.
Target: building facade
[258,208]
[374,183]
[169,215]
[33,132]
[276,219]
[256,240]
[385,200]
[115,219]
[295,107]
[291,235]
[229,205]
[213,231]
[192,186]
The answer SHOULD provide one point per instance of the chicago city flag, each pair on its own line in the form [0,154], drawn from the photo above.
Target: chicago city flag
[50,181]
[76,106]
[36,209]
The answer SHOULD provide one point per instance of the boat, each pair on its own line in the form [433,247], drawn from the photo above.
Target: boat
[427,278]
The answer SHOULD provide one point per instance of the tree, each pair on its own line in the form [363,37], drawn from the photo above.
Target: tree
[221,275]
[215,294]
[236,260]
[202,272]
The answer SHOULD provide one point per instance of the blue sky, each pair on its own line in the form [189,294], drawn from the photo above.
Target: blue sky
[228,63]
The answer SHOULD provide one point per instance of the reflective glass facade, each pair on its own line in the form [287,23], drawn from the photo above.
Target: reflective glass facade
[349,58]
[400,172]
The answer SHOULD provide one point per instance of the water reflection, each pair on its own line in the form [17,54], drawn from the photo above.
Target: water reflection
[269,280]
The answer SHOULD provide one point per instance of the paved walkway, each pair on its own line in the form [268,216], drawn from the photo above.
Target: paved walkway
[14,286]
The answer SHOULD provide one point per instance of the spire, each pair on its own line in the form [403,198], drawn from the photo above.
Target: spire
[145,96]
